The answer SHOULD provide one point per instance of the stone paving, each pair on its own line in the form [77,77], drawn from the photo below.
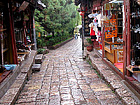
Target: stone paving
[119,86]
[66,79]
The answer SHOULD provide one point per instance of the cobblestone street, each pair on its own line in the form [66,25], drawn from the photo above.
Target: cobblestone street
[66,79]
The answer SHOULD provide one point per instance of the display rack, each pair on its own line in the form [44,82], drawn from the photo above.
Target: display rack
[112,51]
[130,68]
[113,31]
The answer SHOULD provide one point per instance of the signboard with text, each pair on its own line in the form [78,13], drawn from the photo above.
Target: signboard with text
[86,25]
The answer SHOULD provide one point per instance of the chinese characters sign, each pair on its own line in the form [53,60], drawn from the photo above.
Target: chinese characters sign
[86,25]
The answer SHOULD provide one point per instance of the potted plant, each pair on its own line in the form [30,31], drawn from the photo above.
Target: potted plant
[90,44]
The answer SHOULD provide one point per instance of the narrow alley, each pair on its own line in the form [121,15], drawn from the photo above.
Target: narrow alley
[42,61]
[66,79]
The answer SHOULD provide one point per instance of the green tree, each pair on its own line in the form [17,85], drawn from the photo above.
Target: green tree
[57,16]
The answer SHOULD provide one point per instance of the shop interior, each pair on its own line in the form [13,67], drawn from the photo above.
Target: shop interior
[95,29]
[22,28]
[21,20]
[113,33]
[5,46]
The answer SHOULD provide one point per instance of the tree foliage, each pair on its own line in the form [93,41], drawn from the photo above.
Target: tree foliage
[58,16]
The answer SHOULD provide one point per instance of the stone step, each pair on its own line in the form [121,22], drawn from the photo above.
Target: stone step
[39,58]
[36,67]
[9,94]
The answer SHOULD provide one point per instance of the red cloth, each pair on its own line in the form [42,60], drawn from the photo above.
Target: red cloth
[99,33]
[119,65]
[92,32]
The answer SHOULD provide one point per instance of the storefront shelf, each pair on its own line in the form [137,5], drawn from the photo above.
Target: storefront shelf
[113,43]
[130,69]
[107,49]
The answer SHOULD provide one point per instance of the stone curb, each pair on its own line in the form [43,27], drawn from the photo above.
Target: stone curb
[13,92]
[112,79]
[59,45]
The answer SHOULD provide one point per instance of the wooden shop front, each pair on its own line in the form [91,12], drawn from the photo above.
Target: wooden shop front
[120,39]
[113,33]
[8,53]
[132,42]
[16,32]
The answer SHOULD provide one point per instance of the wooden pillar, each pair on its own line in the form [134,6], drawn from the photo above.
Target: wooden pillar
[128,36]
[1,69]
[24,34]
[30,23]
[14,49]
[124,39]
[102,32]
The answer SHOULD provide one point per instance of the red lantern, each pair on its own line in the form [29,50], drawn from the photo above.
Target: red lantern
[81,13]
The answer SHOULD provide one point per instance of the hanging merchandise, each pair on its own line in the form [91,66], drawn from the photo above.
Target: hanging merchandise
[95,21]
[92,32]
[99,20]
[92,15]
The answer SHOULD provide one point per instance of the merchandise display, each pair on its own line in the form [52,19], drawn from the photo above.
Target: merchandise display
[95,28]
[113,41]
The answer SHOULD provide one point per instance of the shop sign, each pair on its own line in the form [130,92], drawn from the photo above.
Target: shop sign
[86,24]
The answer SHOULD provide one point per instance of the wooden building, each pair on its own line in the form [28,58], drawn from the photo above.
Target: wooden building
[119,42]
[16,31]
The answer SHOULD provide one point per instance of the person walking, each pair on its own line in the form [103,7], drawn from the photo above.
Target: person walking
[75,33]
